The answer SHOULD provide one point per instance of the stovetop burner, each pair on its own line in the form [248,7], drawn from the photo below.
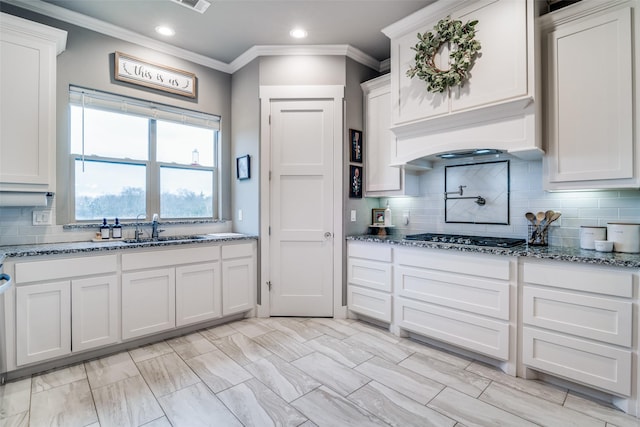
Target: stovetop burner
[499,242]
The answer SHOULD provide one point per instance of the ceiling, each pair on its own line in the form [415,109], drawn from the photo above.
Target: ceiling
[230,27]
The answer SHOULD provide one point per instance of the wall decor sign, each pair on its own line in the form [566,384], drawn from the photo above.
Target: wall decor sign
[134,70]
[377,216]
[355,136]
[355,182]
[243,167]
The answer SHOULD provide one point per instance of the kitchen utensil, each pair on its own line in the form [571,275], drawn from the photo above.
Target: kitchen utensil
[539,218]
[531,217]
[554,217]
[548,215]
[603,245]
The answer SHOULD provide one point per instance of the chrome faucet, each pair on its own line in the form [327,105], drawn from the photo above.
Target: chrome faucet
[138,233]
[154,227]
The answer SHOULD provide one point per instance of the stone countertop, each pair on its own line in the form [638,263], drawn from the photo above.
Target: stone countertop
[614,259]
[84,247]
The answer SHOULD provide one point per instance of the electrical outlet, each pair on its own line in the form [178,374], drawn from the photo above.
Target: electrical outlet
[42,217]
[353,215]
[405,217]
[239,214]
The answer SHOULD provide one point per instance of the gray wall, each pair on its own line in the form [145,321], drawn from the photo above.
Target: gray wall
[88,62]
[302,70]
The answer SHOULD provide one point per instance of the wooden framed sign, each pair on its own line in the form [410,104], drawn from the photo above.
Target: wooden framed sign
[137,71]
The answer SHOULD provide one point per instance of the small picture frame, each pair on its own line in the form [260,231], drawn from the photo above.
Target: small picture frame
[377,216]
[355,182]
[243,167]
[355,138]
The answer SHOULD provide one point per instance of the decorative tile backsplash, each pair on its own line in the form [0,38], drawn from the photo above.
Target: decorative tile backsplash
[578,207]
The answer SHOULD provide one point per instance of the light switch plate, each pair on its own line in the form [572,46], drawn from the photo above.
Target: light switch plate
[43,217]
[239,214]
[353,215]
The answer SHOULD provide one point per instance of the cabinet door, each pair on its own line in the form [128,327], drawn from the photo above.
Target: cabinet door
[198,293]
[148,302]
[94,312]
[43,322]
[238,283]
[590,110]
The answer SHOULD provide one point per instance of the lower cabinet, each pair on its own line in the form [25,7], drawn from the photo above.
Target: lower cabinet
[239,280]
[94,312]
[369,277]
[198,293]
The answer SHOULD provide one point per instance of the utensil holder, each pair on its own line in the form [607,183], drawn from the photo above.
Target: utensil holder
[538,236]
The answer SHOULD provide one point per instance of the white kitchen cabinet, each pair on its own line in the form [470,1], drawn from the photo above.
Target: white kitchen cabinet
[369,280]
[148,302]
[381,178]
[28,104]
[578,323]
[94,312]
[238,278]
[592,58]
[43,321]
[198,293]
[459,299]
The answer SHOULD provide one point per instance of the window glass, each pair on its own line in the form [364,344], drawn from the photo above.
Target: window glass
[109,134]
[184,144]
[109,190]
[186,193]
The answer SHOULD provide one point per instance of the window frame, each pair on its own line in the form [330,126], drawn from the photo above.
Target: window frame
[152,166]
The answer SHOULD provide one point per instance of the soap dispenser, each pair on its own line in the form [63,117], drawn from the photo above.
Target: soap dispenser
[117,230]
[104,229]
[387,216]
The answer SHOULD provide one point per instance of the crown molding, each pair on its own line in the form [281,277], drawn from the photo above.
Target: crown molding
[417,20]
[75,18]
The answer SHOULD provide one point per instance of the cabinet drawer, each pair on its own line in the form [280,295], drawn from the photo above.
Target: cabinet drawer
[237,251]
[581,278]
[476,265]
[374,304]
[26,272]
[479,334]
[162,258]
[479,296]
[376,252]
[602,319]
[596,365]
[371,274]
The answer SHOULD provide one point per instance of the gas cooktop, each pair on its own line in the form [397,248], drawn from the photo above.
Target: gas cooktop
[499,242]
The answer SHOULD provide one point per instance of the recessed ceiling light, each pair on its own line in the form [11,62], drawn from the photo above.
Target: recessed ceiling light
[298,33]
[164,30]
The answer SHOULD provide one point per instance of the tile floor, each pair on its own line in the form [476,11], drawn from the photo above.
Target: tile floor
[292,372]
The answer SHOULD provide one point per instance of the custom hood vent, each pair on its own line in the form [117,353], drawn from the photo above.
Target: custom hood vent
[197,5]
[469,153]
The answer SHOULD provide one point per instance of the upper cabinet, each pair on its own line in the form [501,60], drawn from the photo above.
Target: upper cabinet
[494,107]
[28,53]
[592,60]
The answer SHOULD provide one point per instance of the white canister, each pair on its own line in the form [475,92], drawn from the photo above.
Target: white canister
[588,236]
[625,236]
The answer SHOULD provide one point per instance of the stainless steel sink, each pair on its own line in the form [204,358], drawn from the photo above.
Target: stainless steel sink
[166,239]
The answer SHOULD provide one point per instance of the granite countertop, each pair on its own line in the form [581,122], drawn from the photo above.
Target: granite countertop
[114,245]
[615,259]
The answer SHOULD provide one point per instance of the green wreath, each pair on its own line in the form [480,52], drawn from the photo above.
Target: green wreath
[466,47]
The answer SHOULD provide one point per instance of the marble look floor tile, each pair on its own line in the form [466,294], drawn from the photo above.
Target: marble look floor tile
[400,379]
[166,374]
[376,331]
[325,407]
[600,411]
[308,423]
[255,405]
[435,353]
[444,373]
[192,345]
[300,331]
[197,406]
[332,328]
[126,403]
[218,370]
[58,377]
[473,412]
[216,332]
[16,420]
[379,347]
[15,397]
[396,409]
[150,351]
[283,345]
[331,373]
[110,369]
[536,388]
[67,405]
[251,327]
[283,378]
[160,422]
[241,349]
[339,351]
[534,409]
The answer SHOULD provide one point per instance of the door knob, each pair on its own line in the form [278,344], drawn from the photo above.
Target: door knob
[328,234]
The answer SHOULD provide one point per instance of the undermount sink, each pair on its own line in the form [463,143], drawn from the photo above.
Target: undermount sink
[165,239]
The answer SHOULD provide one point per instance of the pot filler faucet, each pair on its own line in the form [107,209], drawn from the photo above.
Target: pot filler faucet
[479,199]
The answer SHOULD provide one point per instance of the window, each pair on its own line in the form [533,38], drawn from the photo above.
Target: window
[132,157]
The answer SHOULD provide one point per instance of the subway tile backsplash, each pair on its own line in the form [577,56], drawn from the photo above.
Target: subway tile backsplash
[526,195]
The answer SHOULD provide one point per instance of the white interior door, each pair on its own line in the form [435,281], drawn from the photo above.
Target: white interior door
[302,207]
